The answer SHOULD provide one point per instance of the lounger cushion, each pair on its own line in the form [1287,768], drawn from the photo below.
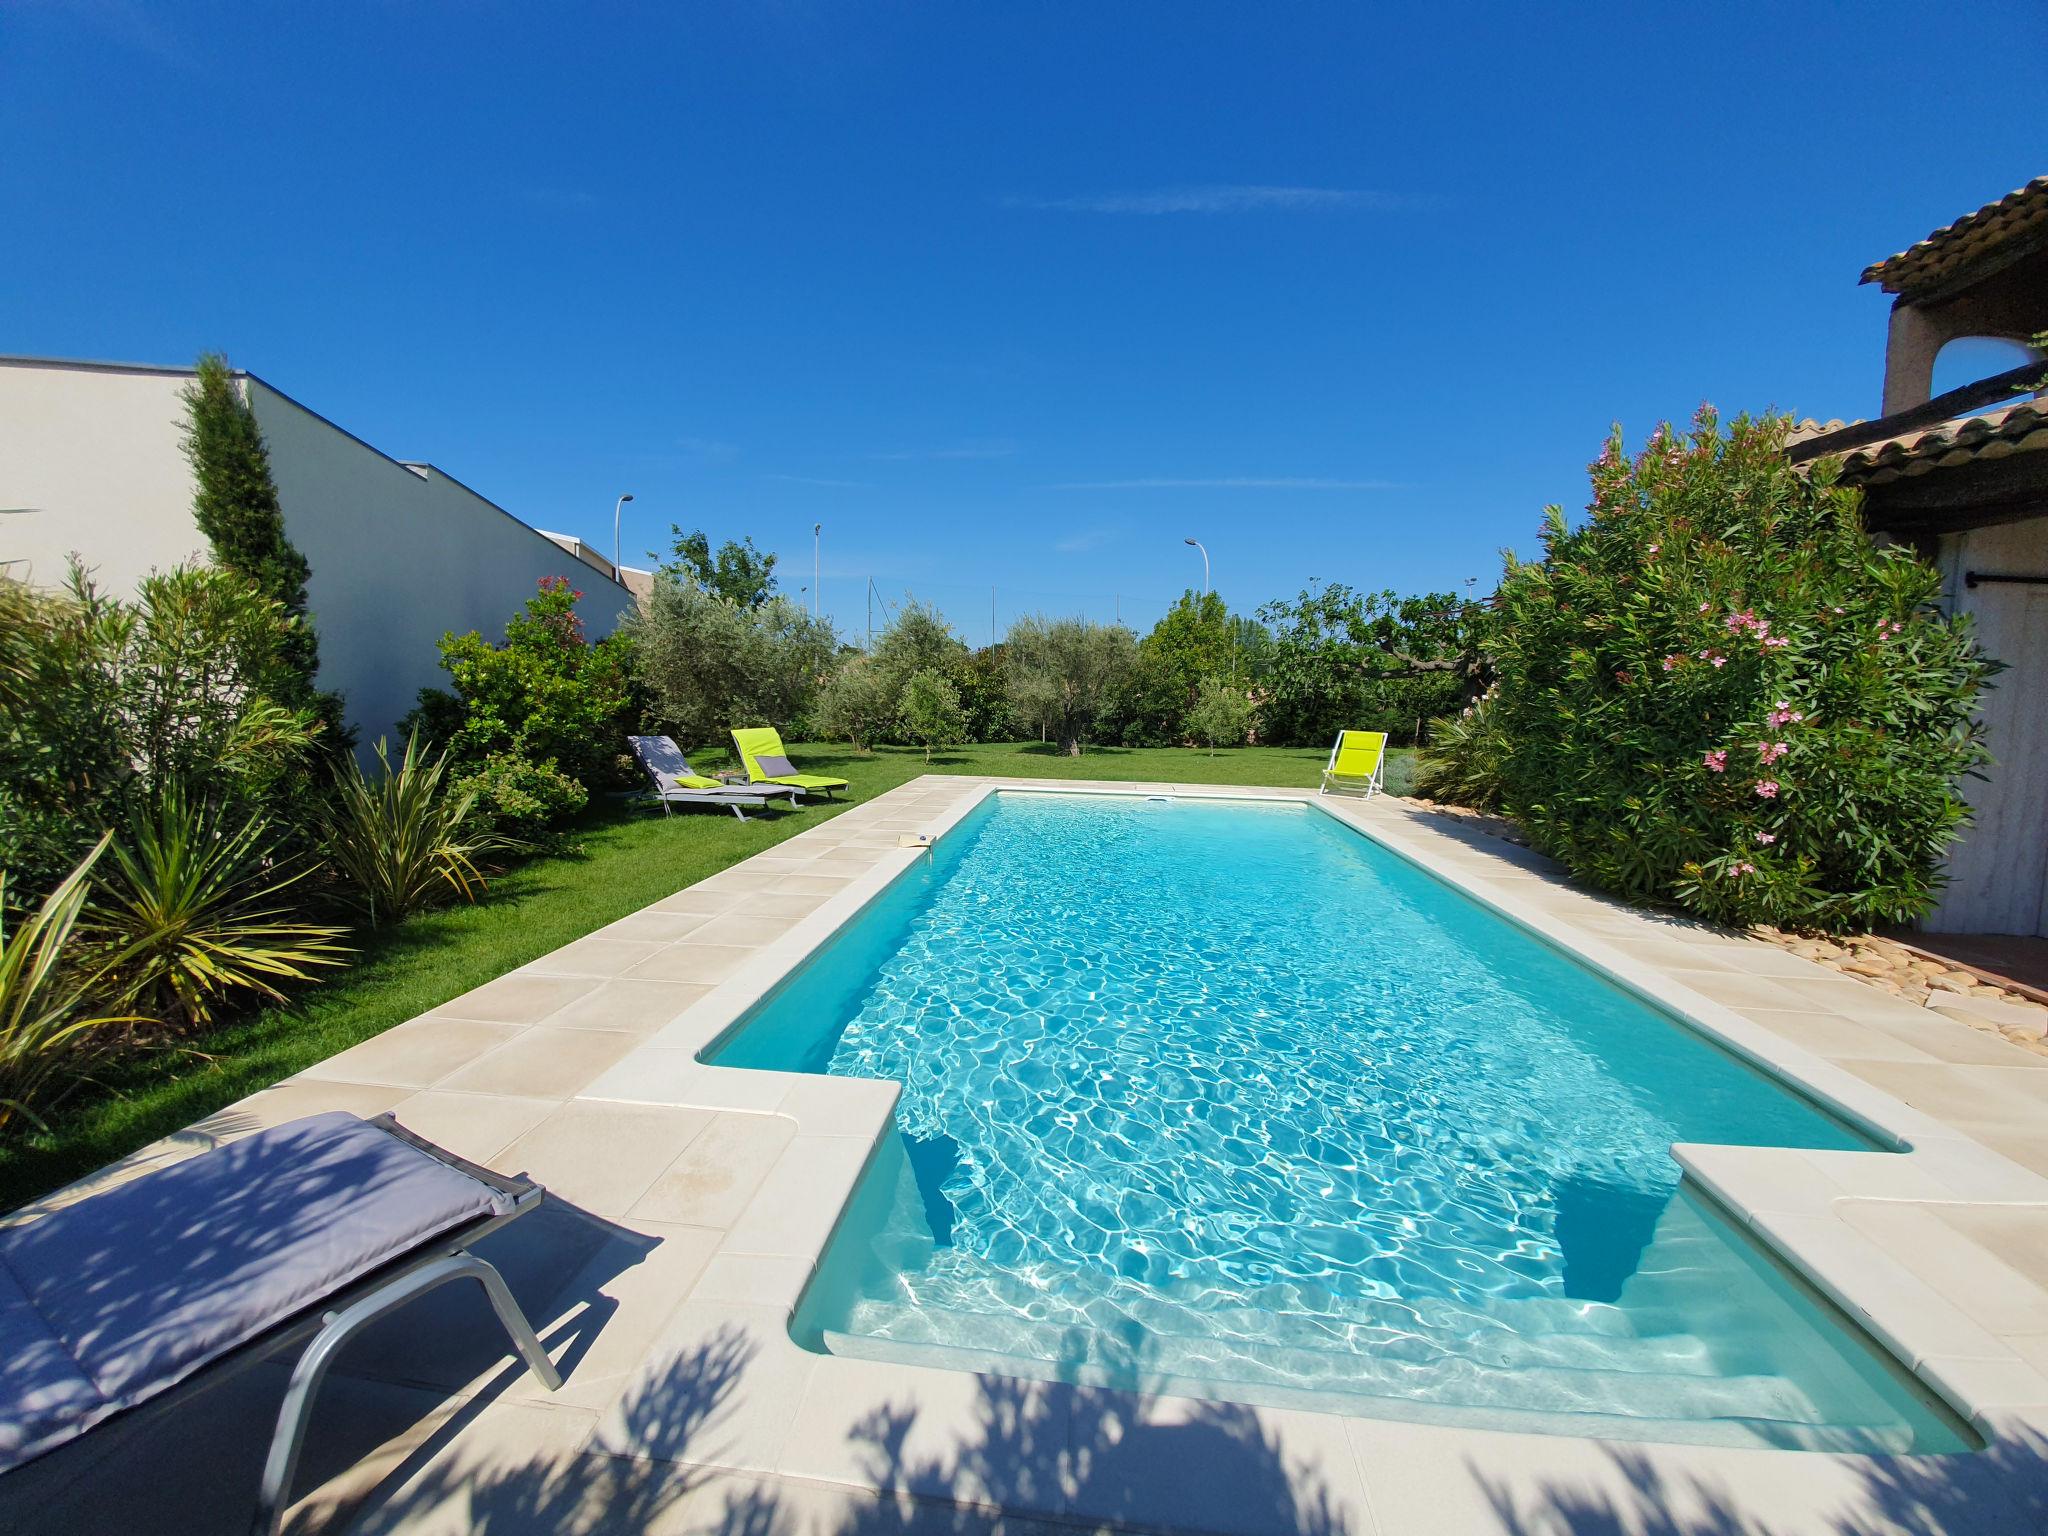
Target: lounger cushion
[775,767]
[42,1390]
[158,1277]
[666,765]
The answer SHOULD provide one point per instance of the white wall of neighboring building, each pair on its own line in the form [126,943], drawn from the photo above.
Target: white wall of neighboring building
[400,554]
[1998,871]
[93,454]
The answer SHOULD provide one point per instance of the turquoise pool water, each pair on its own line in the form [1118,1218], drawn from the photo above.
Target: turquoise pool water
[1227,1098]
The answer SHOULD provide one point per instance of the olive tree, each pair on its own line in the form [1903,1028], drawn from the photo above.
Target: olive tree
[709,663]
[930,711]
[1065,673]
[1222,714]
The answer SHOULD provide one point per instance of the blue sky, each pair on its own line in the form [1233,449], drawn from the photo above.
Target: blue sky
[1013,295]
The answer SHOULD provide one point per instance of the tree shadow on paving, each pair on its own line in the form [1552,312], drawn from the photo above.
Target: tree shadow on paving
[2001,1490]
[1026,1452]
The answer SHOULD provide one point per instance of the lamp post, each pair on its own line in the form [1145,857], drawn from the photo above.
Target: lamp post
[1197,543]
[616,510]
[817,532]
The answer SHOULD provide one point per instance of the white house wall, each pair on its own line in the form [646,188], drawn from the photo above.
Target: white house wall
[399,556]
[1998,873]
[94,455]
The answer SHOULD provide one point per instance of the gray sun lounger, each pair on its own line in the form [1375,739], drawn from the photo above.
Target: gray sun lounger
[664,763]
[167,1283]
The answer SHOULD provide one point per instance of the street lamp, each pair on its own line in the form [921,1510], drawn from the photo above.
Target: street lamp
[615,534]
[817,529]
[1197,543]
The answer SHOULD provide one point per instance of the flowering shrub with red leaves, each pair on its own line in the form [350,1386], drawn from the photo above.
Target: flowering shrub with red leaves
[1719,692]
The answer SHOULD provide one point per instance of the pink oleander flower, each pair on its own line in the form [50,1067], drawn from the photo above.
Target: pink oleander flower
[1670,662]
[1705,606]
[1739,868]
[1767,838]
[1767,789]
[1771,751]
[1655,547]
[1719,661]
[1718,760]
[1776,641]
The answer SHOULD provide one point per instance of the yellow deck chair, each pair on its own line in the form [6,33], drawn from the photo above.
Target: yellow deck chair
[1356,764]
[767,763]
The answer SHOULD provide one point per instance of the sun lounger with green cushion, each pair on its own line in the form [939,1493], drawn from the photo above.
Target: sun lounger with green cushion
[767,763]
[1356,764]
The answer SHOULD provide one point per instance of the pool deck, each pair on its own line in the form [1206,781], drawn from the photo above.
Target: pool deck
[691,1202]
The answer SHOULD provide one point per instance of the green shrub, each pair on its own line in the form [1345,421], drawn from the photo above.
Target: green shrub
[406,839]
[930,711]
[1341,659]
[193,914]
[514,795]
[1462,763]
[1222,714]
[1719,691]
[48,1024]
[102,701]
[546,697]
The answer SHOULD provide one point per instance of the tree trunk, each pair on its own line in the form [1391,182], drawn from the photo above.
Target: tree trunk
[1070,745]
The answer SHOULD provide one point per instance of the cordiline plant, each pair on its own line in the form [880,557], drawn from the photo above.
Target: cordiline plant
[49,1024]
[405,839]
[1719,691]
[198,911]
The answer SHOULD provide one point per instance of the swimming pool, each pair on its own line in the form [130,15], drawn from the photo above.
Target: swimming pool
[1227,1098]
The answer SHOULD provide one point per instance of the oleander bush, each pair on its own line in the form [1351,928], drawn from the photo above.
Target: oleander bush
[1719,691]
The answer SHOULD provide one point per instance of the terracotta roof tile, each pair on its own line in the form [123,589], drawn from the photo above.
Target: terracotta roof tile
[2018,428]
[2022,211]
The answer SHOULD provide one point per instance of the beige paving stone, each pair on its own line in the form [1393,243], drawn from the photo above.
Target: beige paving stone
[705,964]
[1993,1293]
[1941,1037]
[812,885]
[754,1279]
[1835,1037]
[2001,1098]
[1736,990]
[735,882]
[720,1387]
[700,900]
[628,1004]
[928,1432]
[477,1126]
[653,923]
[616,1313]
[594,956]
[543,1063]
[1668,954]
[839,1106]
[296,1098]
[711,1182]
[1842,995]
[799,1202]
[784,904]
[414,1054]
[751,930]
[516,999]
[2016,1234]
[600,1156]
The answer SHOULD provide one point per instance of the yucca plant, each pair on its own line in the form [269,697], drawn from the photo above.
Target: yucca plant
[404,839]
[194,909]
[47,1021]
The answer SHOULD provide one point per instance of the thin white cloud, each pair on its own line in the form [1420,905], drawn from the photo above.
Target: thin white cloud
[1081,543]
[815,480]
[1213,199]
[708,447]
[1232,483]
[999,449]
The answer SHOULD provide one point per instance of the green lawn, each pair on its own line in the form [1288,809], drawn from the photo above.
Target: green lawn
[629,856]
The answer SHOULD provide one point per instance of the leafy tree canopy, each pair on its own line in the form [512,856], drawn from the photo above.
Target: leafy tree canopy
[739,572]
